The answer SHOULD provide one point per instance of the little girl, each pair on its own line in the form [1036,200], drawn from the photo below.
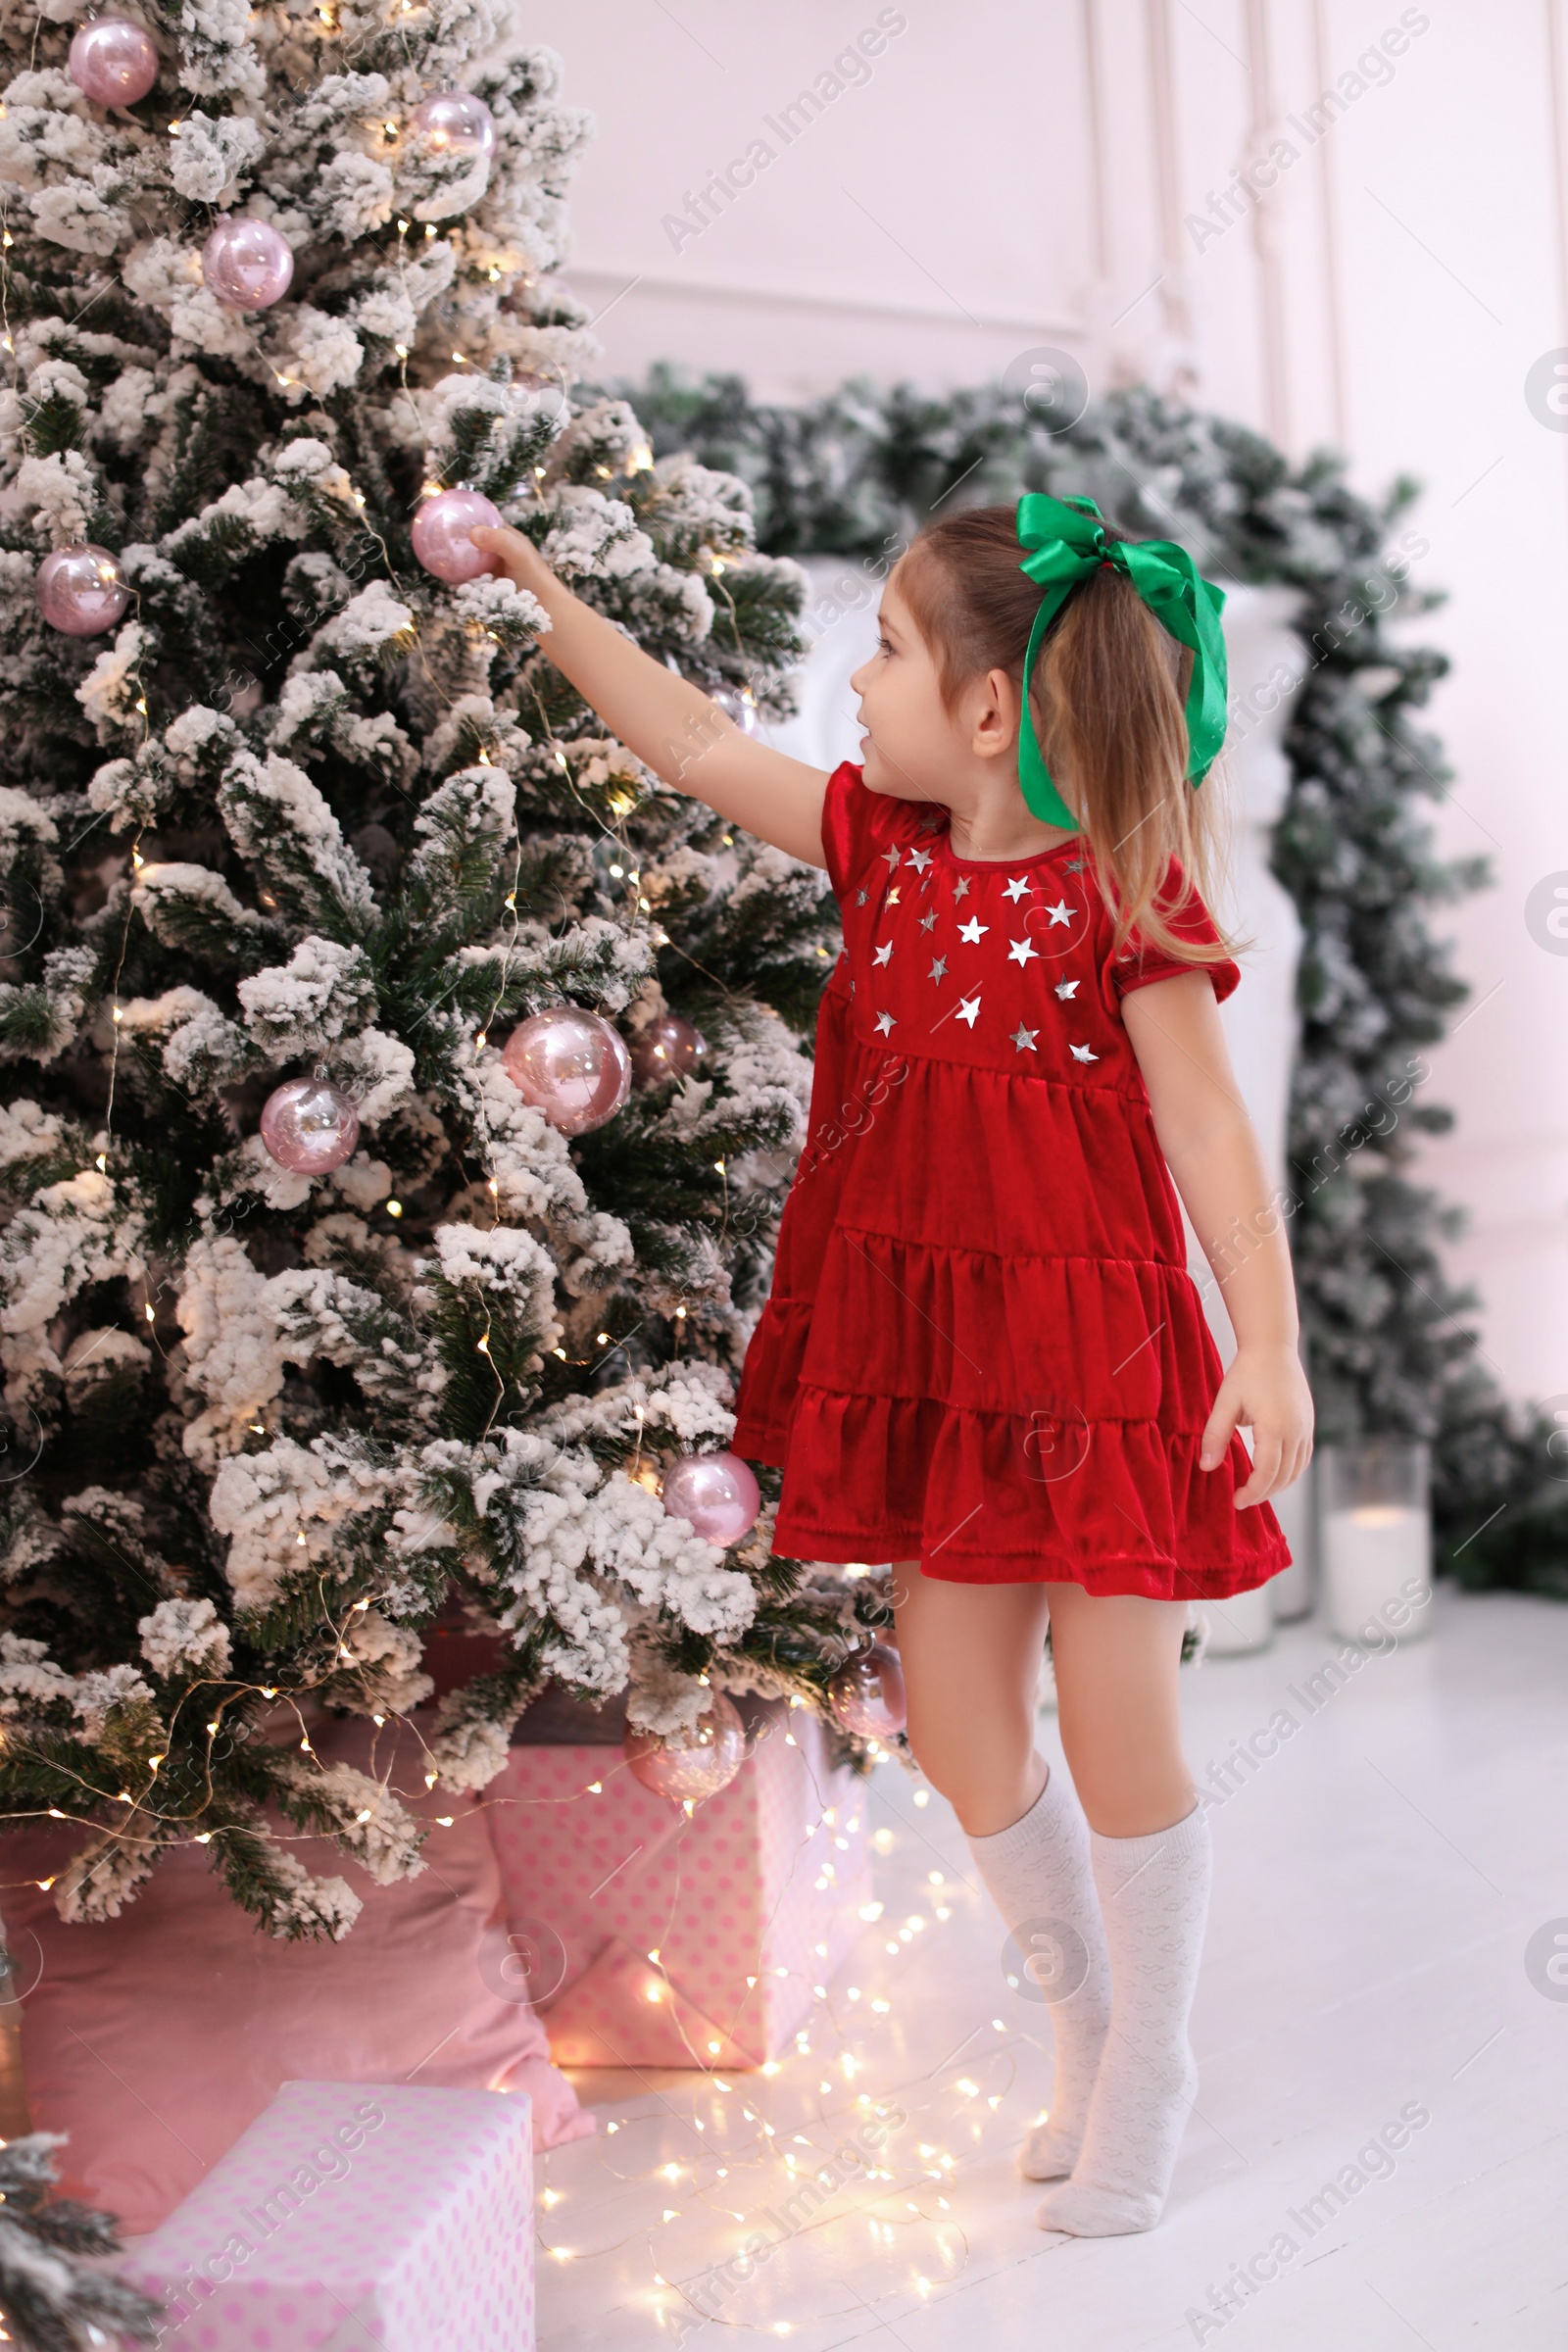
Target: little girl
[983,1357]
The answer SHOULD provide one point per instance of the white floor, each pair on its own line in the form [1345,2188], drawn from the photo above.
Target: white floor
[1378,1881]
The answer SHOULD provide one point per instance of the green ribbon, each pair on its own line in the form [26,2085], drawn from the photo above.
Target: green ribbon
[1067,542]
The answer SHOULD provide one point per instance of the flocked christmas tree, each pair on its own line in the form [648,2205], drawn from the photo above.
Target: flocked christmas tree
[327,1304]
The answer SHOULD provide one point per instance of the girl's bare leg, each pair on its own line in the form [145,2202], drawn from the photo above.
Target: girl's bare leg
[971,1667]
[1116,1657]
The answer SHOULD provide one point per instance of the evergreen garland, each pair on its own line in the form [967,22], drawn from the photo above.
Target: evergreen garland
[1390,1348]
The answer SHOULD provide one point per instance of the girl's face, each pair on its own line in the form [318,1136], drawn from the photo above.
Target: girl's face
[912,744]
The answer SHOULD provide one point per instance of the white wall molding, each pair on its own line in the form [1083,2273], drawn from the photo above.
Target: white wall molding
[592,283]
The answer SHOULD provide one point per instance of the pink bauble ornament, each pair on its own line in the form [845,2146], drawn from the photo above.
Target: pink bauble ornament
[247,264]
[569,1065]
[454,123]
[690,1765]
[113,61]
[715,1492]
[669,1050]
[738,705]
[867,1695]
[310,1126]
[79,590]
[441,534]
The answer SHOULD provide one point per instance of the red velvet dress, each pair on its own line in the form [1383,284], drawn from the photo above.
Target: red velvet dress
[983,1350]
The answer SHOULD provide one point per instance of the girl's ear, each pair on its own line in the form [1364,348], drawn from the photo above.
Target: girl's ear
[996,715]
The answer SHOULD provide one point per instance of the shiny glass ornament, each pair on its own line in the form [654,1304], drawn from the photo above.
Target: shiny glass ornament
[79,590]
[113,61]
[569,1065]
[669,1050]
[310,1126]
[247,264]
[717,1491]
[454,123]
[867,1695]
[690,1765]
[441,534]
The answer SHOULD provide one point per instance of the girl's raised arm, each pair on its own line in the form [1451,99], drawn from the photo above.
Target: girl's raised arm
[671,725]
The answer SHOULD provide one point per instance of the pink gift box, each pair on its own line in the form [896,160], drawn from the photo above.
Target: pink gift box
[735,1899]
[352,2214]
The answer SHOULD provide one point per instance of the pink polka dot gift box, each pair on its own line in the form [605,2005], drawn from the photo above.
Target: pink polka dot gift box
[354,2215]
[747,1904]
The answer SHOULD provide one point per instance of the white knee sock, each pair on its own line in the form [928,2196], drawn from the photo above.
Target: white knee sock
[1153,1896]
[1039,1875]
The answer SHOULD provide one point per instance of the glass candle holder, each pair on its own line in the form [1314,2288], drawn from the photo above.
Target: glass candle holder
[1375,1531]
[1240,1623]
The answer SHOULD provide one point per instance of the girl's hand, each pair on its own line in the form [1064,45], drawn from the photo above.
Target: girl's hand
[1265,1390]
[671,725]
[513,557]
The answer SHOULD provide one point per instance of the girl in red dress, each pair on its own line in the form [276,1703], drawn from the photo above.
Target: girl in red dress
[983,1357]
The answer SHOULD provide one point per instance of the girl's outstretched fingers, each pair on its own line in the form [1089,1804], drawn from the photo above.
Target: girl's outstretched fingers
[514,555]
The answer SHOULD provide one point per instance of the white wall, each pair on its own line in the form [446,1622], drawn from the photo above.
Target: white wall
[1015,173]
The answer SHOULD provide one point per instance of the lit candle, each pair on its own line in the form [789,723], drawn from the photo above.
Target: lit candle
[1377,1570]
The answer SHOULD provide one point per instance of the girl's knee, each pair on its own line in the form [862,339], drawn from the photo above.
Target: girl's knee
[942,1763]
[987,1787]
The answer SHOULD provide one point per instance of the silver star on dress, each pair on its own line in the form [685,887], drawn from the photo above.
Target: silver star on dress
[928,921]
[1067,989]
[892,899]
[859,898]
[884,1021]
[1025,1039]
[968,1009]
[1084,1053]
[961,888]
[920,860]
[938,969]
[1018,888]
[884,954]
[1061,913]
[892,856]
[1021,950]
[973,929]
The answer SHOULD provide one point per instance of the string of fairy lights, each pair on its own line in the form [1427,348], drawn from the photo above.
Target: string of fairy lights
[145,1819]
[886,2199]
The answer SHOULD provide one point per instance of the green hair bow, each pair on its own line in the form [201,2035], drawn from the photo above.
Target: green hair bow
[1067,542]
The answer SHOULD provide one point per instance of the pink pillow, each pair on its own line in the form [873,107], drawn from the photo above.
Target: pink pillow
[154,2039]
